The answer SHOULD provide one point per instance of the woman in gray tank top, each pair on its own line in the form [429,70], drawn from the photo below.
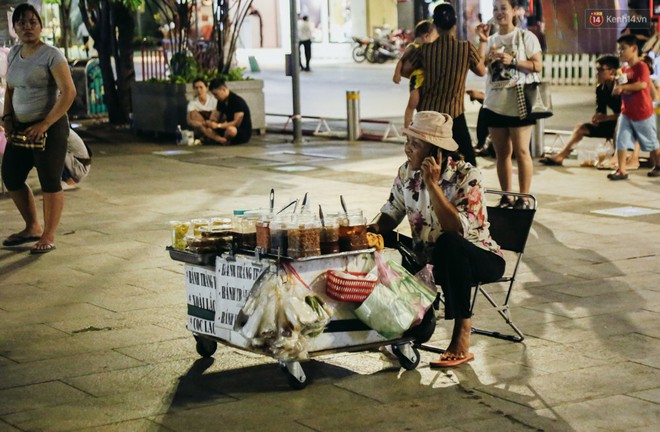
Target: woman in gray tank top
[39,93]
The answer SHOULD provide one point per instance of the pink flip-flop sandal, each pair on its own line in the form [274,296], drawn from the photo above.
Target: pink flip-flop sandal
[452,360]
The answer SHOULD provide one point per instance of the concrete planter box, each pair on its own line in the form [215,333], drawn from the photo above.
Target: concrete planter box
[159,107]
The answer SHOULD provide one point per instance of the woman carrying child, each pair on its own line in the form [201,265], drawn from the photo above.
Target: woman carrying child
[446,62]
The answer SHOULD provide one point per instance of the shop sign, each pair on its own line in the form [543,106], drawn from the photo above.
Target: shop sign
[201,298]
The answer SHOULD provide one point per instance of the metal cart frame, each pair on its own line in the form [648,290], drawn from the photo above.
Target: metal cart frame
[344,333]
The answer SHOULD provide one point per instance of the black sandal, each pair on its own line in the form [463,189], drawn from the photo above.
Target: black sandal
[505,202]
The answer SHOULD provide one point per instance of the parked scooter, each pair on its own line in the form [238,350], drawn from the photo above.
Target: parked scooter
[360,49]
[380,51]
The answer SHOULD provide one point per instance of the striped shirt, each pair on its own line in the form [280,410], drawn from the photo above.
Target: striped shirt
[446,62]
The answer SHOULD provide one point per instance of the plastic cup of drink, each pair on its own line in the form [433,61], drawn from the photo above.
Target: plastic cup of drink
[179,231]
[197,224]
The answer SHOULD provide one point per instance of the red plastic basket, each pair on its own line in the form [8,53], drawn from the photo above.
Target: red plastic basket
[349,286]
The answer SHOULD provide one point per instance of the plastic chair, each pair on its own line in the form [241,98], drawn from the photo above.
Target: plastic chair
[510,229]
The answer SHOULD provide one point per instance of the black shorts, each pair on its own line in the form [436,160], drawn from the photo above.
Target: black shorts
[495,120]
[601,130]
[17,162]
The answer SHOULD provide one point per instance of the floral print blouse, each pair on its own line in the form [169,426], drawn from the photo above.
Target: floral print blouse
[461,184]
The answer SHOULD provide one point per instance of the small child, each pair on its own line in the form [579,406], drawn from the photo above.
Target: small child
[413,59]
[410,66]
[637,119]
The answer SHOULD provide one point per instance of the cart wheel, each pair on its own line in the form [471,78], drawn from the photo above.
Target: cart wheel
[294,374]
[295,383]
[408,356]
[205,347]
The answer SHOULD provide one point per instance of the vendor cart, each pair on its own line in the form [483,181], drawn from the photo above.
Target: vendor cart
[217,287]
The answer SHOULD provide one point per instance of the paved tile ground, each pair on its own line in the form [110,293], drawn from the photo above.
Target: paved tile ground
[92,336]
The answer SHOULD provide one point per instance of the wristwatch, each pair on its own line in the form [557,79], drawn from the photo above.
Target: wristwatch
[514,62]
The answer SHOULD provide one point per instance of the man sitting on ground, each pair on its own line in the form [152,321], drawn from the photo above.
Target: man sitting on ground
[231,120]
[602,124]
[77,162]
[200,110]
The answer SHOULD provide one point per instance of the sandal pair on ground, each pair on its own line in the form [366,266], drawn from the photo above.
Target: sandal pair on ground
[17,240]
[508,202]
[549,161]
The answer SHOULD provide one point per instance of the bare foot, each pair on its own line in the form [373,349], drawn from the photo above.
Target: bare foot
[460,338]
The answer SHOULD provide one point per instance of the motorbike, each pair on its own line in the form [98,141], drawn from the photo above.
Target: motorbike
[380,51]
[360,49]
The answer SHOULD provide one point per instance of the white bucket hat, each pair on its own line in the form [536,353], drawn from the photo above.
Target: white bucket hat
[434,128]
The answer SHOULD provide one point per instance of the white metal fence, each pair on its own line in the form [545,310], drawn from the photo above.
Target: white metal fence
[569,69]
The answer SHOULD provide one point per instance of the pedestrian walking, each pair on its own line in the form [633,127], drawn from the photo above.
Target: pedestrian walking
[637,119]
[305,33]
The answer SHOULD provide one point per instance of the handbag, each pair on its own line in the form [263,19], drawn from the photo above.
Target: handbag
[538,102]
[20,139]
[534,99]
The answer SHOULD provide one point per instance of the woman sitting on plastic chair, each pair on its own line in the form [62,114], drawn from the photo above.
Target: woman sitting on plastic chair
[443,199]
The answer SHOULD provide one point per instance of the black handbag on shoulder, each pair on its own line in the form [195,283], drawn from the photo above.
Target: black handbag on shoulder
[538,102]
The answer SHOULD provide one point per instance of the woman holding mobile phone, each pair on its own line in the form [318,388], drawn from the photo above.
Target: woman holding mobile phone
[443,199]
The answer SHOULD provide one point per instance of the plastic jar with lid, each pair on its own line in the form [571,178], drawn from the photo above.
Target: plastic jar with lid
[330,235]
[304,236]
[353,231]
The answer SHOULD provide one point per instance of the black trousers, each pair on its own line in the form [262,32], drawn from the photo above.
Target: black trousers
[17,162]
[307,46]
[457,266]
[482,129]
[463,139]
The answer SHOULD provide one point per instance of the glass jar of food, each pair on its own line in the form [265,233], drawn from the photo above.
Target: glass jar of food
[330,236]
[249,229]
[278,234]
[304,236]
[263,232]
[353,231]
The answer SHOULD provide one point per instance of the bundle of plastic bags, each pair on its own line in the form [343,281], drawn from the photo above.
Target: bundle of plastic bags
[399,301]
[280,315]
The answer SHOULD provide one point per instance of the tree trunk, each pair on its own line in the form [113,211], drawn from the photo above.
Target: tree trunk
[125,65]
[111,27]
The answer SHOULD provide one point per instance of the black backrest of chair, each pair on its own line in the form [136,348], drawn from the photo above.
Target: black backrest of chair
[510,227]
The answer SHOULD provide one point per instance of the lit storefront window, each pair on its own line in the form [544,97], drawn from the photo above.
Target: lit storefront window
[341,25]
